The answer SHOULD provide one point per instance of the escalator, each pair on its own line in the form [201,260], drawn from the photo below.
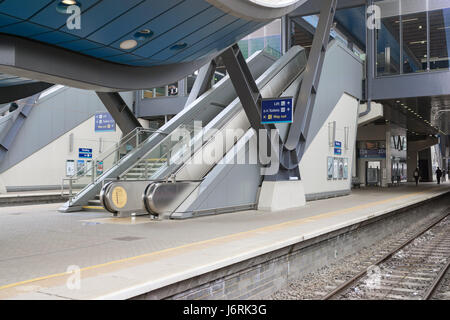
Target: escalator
[172,174]
[193,172]
[148,154]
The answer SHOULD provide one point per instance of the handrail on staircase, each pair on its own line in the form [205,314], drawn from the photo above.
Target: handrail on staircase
[115,149]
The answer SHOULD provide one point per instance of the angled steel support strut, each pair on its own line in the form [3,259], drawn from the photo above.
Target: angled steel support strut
[203,81]
[10,136]
[247,91]
[244,84]
[119,110]
[296,140]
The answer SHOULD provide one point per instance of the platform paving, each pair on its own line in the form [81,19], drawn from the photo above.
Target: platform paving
[122,258]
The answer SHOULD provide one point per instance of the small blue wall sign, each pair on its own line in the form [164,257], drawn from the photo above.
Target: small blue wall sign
[277,110]
[104,122]
[85,153]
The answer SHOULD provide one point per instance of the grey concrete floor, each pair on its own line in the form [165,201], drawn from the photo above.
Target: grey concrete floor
[37,240]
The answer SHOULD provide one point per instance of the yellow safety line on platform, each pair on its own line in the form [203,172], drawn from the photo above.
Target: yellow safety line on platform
[230,237]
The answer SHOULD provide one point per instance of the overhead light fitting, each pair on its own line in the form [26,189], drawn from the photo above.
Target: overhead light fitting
[62,6]
[407,20]
[144,34]
[179,46]
[418,42]
[128,44]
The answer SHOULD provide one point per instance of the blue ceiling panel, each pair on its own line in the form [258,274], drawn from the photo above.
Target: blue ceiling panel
[209,41]
[101,14]
[223,23]
[125,59]
[80,45]
[54,37]
[6,20]
[203,22]
[24,29]
[105,24]
[163,23]
[134,19]
[49,17]
[102,52]
[143,63]
[228,40]
[121,58]
[23,9]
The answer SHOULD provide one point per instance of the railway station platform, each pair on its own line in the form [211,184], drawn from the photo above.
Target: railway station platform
[32,197]
[236,255]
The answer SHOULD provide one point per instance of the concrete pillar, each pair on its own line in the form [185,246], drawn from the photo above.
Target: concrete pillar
[2,186]
[388,158]
[281,195]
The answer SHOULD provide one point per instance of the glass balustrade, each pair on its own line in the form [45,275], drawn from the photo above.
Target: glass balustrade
[95,168]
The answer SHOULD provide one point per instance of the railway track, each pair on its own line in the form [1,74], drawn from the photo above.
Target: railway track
[417,268]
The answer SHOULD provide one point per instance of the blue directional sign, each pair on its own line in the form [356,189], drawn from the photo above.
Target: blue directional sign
[84,153]
[278,110]
[104,122]
[337,148]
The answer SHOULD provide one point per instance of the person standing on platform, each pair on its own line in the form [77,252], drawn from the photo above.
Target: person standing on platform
[444,178]
[438,175]
[416,176]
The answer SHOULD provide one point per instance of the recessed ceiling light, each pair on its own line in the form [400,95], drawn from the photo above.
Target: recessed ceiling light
[128,44]
[179,46]
[62,6]
[143,34]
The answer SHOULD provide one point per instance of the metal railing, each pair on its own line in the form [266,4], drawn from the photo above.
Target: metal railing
[162,156]
[97,167]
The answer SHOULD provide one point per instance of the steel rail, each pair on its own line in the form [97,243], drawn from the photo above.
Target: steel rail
[429,293]
[351,281]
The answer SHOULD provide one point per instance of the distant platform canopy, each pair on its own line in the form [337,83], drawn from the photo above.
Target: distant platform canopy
[116,45]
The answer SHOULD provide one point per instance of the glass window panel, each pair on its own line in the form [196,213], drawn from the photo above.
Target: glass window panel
[243,45]
[387,39]
[148,94]
[190,82]
[439,39]
[160,92]
[414,28]
[255,45]
[274,42]
[172,89]
[269,35]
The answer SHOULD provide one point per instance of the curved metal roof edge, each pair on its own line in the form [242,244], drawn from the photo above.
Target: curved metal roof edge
[250,10]
[42,62]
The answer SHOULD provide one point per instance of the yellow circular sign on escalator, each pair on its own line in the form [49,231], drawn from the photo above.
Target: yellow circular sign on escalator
[119,197]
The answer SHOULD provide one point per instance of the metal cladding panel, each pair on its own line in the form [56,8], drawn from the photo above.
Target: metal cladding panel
[342,73]
[198,28]
[261,10]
